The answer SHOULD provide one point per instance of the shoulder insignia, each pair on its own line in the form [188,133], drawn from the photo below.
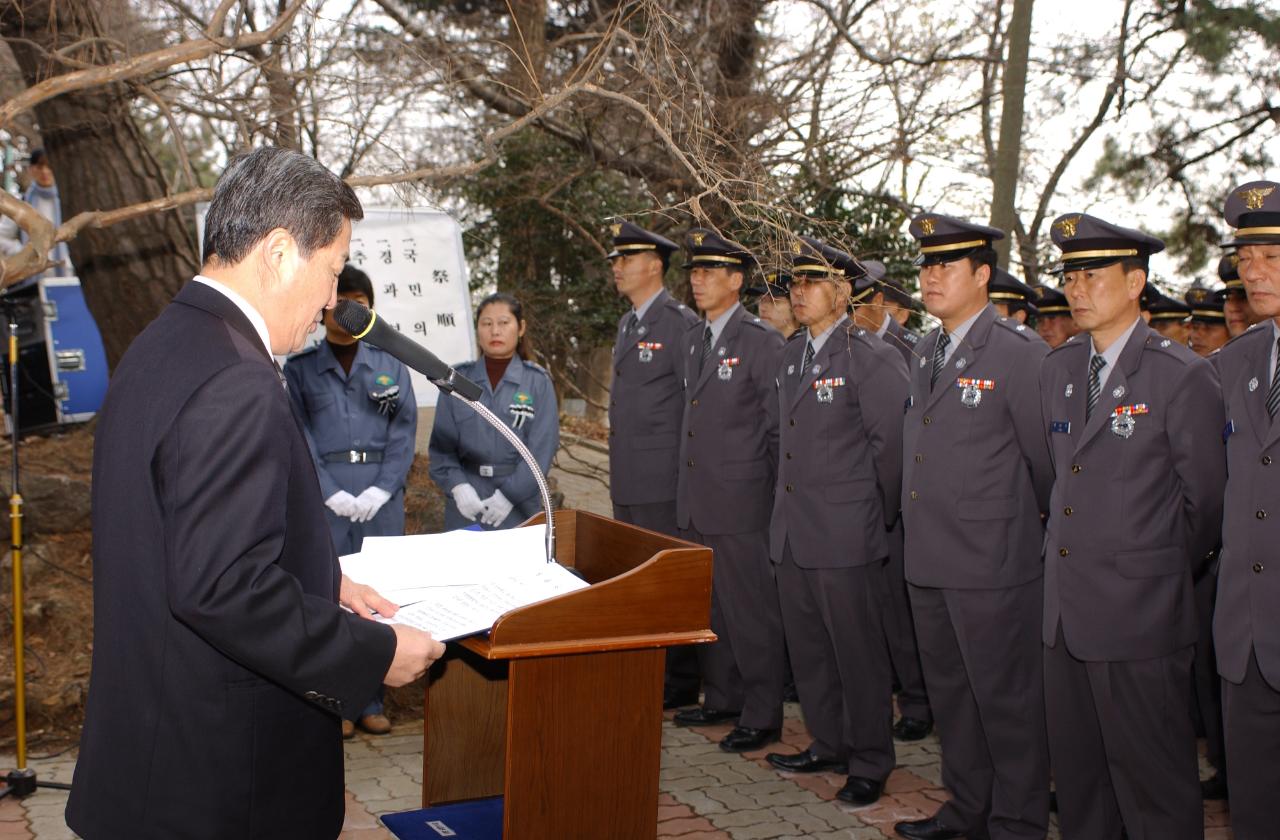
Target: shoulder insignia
[1020,330]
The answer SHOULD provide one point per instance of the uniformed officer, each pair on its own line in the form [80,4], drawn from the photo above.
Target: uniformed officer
[1011,297]
[728,458]
[1207,327]
[1053,316]
[871,313]
[1246,627]
[772,302]
[1135,425]
[646,405]
[1235,305]
[841,390]
[899,302]
[358,410]
[1166,315]
[976,479]
[482,476]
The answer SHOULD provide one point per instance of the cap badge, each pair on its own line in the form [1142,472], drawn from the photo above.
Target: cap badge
[797,247]
[1067,227]
[697,239]
[1197,295]
[1253,384]
[1234,259]
[926,226]
[1253,198]
[615,229]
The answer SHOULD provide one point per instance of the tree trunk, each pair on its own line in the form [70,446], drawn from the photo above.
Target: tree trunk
[131,270]
[1004,186]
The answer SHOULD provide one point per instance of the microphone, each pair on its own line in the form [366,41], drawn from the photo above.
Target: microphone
[363,323]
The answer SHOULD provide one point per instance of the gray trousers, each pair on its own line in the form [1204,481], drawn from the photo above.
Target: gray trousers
[1204,672]
[1251,712]
[841,665]
[984,666]
[1122,746]
[682,672]
[744,668]
[900,634]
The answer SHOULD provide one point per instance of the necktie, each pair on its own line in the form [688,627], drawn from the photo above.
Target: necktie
[808,357]
[939,357]
[706,345]
[284,383]
[632,323]
[1096,364]
[1273,396]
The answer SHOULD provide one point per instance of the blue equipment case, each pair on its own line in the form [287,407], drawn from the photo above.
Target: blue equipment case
[476,819]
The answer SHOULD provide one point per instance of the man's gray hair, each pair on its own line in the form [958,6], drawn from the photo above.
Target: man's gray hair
[270,188]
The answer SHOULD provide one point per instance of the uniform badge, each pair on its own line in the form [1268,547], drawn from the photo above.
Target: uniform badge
[816,369]
[971,390]
[387,394]
[1228,430]
[791,370]
[1122,422]
[1118,392]
[642,330]
[826,388]
[1060,427]
[725,368]
[1253,384]
[922,362]
[720,351]
[647,348]
[521,409]
[960,363]
[1165,343]
[1071,389]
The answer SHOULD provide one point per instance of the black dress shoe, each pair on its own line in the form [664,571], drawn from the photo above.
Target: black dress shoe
[806,762]
[746,739]
[860,791]
[930,829]
[676,699]
[702,716]
[911,729]
[1214,787]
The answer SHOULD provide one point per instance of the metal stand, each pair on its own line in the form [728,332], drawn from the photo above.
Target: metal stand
[22,780]
[514,440]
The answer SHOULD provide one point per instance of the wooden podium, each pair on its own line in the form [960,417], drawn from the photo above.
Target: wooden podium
[559,710]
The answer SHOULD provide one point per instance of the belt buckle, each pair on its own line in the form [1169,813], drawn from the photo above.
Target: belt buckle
[486,470]
[355,456]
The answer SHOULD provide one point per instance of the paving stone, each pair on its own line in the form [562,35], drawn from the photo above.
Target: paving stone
[399,785]
[669,773]
[700,802]
[368,791]
[762,831]
[684,826]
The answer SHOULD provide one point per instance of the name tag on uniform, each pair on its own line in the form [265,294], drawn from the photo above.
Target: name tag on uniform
[1228,430]
[1060,427]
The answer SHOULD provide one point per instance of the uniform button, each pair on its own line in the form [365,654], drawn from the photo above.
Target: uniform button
[1262,514]
[928,420]
[693,402]
[788,456]
[914,495]
[689,462]
[1062,552]
[1257,568]
[691,433]
[617,371]
[790,488]
[919,459]
[1266,460]
[1076,468]
[1068,511]
[792,422]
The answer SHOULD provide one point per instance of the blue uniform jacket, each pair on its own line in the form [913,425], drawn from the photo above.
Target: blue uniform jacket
[340,412]
[462,442]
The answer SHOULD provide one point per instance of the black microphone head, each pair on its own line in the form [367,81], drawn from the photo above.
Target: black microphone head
[353,317]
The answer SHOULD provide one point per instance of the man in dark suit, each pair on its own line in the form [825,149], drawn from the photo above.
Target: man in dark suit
[1135,430]
[222,659]
[841,391]
[728,458]
[1246,629]
[871,313]
[976,478]
[646,403]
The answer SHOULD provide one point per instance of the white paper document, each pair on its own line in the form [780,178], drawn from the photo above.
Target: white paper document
[465,610]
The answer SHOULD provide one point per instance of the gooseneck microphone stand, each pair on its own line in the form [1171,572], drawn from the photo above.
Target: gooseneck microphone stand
[20,781]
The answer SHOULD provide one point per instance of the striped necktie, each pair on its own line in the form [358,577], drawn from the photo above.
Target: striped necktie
[939,358]
[1273,396]
[706,344]
[808,357]
[1096,364]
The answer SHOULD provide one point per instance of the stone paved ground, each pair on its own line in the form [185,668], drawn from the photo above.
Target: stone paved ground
[705,794]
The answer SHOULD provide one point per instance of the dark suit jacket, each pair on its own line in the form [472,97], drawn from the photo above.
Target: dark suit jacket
[1249,575]
[221,660]
[840,464]
[975,480]
[729,437]
[646,402]
[1131,518]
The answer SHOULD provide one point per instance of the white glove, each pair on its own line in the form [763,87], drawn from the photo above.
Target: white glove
[468,501]
[496,509]
[369,503]
[342,503]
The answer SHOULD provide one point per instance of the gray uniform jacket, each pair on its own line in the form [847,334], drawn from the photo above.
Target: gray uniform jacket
[1136,507]
[975,472]
[729,437]
[465,449]
[1249,574]
[904,341]
[646,403]
[840,446]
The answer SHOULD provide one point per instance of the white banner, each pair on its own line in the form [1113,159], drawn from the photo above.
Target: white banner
[414,258]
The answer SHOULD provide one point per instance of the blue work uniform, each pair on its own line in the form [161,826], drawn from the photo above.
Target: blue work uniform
[465,449]
[360,426]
